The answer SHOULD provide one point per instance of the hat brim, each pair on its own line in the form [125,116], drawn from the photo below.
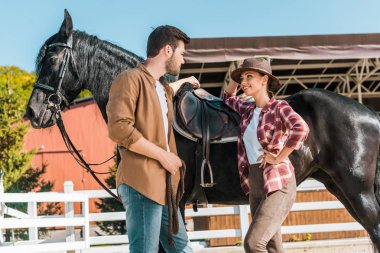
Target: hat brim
[236,74]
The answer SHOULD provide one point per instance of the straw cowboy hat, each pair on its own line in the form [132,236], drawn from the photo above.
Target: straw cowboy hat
[258,64]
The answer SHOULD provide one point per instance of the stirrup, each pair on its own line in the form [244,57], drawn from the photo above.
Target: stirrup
[203,184]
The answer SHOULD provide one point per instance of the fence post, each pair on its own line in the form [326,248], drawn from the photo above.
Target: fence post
[32,212]
[244,221]
[86,227]
[68,187]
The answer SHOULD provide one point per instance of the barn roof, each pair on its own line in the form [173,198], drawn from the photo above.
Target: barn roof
[348,64]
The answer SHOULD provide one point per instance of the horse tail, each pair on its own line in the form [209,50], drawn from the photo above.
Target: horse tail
[377,178]
[377,173]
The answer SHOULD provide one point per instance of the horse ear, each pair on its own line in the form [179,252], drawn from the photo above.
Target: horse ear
[67,25]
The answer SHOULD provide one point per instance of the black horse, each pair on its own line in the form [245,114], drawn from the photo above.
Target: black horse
[342,150]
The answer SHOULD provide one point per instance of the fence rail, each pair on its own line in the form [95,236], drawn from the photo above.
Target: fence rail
[32,221]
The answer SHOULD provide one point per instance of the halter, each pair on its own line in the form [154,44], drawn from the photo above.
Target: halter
[56,93]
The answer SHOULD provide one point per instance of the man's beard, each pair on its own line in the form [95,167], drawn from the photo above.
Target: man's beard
[171,67]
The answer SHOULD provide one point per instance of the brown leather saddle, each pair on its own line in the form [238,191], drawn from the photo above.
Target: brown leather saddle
[205,119]
[204,114]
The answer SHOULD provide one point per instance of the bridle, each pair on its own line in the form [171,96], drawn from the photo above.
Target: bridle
[56,92]
[55,104]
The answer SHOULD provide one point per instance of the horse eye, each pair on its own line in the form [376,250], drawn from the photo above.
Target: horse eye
[53,60]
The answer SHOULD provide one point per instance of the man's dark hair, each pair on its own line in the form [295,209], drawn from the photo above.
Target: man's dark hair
[164,35]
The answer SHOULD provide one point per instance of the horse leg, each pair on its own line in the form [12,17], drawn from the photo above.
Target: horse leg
[325,179]
[361,197]
[367,209]
[182,204]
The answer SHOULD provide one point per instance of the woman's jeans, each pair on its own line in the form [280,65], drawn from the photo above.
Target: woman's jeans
[147,224]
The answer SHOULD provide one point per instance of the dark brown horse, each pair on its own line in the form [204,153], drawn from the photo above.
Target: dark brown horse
[342,150]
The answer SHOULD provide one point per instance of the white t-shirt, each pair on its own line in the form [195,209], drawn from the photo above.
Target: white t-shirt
[251,142]
[164,107]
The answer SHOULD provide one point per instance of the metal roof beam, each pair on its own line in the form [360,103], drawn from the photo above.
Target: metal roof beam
[313,66]
[352,95]
[290,81]
[227,77]
[204,70]
[274,67]
[319,75]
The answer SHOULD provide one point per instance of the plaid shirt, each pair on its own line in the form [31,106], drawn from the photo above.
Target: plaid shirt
[279,126]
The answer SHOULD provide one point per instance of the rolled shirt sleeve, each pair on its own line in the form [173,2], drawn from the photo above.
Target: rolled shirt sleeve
[295,124]
[235,103]
[121,109]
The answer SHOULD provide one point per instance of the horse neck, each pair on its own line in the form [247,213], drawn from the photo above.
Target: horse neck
[99,62]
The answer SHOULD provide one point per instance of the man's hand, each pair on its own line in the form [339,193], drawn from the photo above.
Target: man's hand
[170,162]
[194,81]
[177,84]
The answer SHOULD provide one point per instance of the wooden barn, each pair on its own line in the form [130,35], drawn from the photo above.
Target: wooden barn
[88,131]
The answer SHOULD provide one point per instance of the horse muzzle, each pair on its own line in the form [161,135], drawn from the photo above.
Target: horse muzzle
[42,117]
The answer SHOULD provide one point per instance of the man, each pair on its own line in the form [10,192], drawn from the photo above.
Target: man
[140,116]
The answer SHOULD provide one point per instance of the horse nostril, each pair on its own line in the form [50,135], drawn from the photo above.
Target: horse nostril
[29,113]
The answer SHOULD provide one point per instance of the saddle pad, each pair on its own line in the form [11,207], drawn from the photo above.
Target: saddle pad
[189,109]
[204,95]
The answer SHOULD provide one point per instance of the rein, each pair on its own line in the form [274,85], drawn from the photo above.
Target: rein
[55,104]
[78,157]
[173,204]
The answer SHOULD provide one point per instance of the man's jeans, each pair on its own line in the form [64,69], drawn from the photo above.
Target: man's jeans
[147,224]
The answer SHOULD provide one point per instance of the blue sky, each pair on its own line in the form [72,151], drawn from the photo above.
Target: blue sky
[26,24]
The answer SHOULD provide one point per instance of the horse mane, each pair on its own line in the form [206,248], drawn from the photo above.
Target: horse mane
[42,52]
[98,62]
[103,62]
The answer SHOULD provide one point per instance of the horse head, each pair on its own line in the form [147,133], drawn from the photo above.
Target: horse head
[58,81]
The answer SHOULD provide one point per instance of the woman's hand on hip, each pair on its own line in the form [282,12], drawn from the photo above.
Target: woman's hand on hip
[266,158]
[270,158]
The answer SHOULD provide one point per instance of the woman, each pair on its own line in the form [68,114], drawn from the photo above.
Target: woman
[269,132]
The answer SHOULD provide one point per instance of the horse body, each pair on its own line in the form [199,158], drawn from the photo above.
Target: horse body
[341,150]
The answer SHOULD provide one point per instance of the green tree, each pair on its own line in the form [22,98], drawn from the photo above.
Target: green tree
[111,205]
[85,93]
[16,86]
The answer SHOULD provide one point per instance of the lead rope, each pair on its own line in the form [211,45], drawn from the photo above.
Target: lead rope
[173,204]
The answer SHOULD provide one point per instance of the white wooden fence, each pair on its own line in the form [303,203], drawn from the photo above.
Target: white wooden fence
[86,243]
